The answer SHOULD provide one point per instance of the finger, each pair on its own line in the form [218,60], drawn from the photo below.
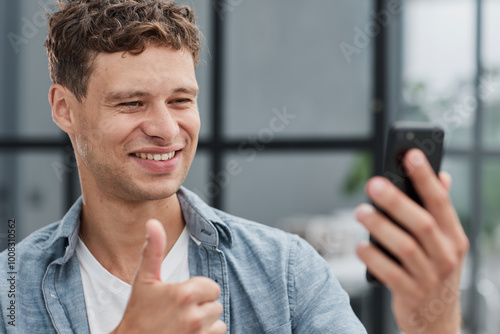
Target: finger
[397,241]
[218,327]
[201,289]
[385,269]
[212,310]
[152,253]
[414,218]
[446,180]
[434,197]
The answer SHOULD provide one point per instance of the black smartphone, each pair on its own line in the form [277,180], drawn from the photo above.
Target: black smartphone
[402,137]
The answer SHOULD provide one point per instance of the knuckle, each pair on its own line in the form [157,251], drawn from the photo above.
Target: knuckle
[448,265]
[393,276]
[184,294]
[426,226]
[409,249]
[207,283]
[195,323]
[441,198]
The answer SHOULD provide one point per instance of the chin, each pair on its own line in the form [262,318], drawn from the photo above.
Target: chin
[145,193]
[160,192]
[156,195]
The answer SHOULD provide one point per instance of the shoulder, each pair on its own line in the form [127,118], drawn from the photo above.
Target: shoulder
[248,227]
[270,244]
[32,252]
[245,230]
[35,242]
[49,241]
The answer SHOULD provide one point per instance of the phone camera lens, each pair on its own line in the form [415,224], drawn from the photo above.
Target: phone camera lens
[410,136]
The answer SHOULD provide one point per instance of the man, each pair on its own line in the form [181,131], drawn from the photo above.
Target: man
[125,92]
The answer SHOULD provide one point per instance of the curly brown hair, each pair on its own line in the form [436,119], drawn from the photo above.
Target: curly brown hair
[84,28]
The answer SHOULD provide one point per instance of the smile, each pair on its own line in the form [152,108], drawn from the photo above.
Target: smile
[157,157]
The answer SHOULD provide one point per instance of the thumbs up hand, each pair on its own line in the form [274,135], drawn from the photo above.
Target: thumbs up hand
[156,307]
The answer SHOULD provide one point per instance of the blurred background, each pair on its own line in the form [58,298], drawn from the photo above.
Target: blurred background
[296,97]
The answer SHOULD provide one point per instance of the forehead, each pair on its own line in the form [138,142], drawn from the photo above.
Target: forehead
[157,67]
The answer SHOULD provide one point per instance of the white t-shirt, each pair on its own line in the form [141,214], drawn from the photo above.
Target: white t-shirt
[106,296]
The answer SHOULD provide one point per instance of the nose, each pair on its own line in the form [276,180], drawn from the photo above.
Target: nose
[160,124]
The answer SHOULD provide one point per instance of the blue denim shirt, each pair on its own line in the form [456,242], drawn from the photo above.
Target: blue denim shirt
[271,282]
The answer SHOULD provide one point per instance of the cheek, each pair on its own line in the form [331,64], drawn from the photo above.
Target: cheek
[88,134]
[189,123]
[98,142]
[193,124]
[114,131]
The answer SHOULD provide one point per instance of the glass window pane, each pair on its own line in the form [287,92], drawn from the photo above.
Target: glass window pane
[271,187]
[288,54]
[491,125]
[33,114]
[32,189]
[491,49]
[198,174]
[8,167]
[491,198]
[439,65]
[489,278]
[490,85]
[459,170]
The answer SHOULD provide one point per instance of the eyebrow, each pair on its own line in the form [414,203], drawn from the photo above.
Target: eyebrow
[187,90]
[127,95]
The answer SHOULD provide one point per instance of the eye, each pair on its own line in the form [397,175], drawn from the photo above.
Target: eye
[182,100]
[131,104]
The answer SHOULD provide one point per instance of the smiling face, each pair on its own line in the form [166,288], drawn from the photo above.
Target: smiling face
[136,131]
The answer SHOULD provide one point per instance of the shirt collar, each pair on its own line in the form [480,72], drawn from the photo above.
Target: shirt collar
[67,229]
[201,220]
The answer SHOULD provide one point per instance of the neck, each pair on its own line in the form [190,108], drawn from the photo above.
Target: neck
[114,230]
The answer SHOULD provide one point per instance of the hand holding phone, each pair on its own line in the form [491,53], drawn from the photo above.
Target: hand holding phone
[402,137]
[429,240]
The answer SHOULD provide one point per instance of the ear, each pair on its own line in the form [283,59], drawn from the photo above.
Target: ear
[62,113]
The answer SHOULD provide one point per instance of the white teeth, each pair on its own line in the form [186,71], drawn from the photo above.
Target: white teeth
[156,157]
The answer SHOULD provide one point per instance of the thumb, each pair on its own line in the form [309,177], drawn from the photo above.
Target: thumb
[152,253]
